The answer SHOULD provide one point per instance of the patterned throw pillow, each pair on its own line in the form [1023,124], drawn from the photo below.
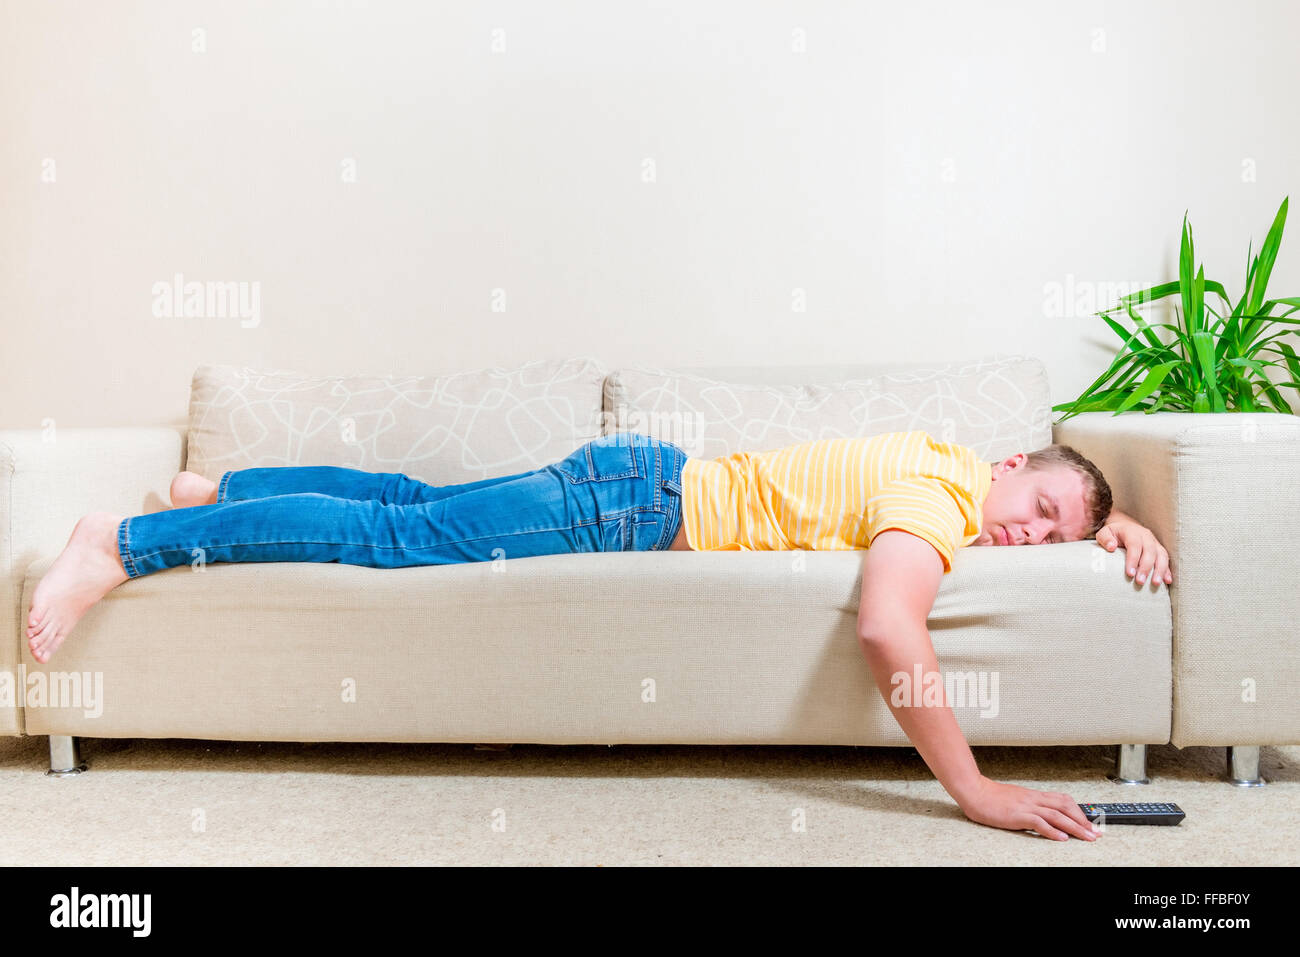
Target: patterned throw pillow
[999,405]
[442,429]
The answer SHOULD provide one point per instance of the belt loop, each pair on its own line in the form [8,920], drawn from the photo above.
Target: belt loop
[658,479]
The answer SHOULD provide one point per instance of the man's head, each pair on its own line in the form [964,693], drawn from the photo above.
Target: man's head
[1051,495]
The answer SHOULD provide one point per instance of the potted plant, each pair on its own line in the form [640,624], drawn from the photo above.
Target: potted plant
[1209,367]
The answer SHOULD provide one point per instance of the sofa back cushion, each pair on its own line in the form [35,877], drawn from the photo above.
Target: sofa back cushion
[998,406]
[441,429]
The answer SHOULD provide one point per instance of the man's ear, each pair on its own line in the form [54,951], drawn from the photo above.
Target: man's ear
[1013,462]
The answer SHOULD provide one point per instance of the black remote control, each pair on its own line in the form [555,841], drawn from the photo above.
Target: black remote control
[1133,813]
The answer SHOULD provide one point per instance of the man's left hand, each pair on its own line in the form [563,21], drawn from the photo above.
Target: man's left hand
[1143,552]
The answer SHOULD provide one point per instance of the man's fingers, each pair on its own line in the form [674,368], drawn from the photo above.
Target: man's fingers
[1067,824]
[1146,567]
[1042,827]
[1144,559]
[1134,557]
[1063,817]
[1067,805]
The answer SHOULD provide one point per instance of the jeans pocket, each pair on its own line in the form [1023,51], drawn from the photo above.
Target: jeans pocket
[610,457]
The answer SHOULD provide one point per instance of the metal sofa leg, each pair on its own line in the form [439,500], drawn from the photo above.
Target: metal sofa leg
[1131,765]
[1243,766]
[65,756]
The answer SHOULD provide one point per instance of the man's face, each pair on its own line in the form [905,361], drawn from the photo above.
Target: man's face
[1032,508]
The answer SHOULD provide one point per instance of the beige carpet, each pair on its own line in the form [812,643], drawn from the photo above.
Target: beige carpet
[193,802]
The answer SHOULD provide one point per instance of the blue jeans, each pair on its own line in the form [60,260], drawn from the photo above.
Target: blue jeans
[617,493]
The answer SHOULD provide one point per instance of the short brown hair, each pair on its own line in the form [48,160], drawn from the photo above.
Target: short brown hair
[1097,501]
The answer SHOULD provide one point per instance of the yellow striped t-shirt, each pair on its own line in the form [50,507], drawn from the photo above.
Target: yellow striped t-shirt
[837,494]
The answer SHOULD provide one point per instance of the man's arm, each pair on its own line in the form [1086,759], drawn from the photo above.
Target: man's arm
[900,579]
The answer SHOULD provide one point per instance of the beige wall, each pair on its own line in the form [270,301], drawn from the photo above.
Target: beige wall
[934,177]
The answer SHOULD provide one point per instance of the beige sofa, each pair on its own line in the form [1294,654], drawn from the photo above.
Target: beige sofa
[660,647]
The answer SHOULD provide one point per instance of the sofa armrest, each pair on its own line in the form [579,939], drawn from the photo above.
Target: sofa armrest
[48,480]
[1220,493]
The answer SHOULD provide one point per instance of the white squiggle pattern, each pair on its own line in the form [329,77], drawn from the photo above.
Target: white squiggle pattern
[443,430]
[997,405]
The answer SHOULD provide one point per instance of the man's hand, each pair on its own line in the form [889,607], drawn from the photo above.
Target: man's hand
[1015,808]
[1147,558]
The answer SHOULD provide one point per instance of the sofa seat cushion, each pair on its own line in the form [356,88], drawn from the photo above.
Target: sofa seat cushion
[635,647]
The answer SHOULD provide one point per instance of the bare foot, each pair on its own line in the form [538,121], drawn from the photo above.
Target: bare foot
[190,488]
[88,569]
